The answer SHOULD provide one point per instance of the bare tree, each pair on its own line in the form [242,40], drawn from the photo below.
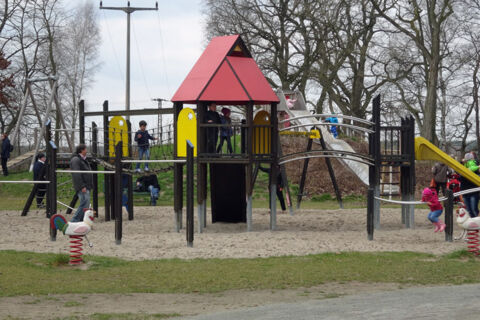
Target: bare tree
[422,22]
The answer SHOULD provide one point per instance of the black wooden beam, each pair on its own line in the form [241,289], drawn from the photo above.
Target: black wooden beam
[137,112]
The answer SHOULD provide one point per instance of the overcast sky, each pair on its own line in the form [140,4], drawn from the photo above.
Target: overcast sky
[165,45]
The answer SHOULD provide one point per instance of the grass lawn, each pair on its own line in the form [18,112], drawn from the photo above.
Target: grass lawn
[25,273]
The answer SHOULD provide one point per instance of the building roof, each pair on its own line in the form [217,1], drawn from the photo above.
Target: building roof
[225,73]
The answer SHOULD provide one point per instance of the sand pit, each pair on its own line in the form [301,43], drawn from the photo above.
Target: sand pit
[151,235]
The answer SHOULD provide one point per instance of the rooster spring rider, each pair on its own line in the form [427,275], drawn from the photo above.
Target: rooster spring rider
[76,231]
[472,226]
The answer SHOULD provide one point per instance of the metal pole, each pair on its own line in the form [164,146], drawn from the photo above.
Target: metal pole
[127,90]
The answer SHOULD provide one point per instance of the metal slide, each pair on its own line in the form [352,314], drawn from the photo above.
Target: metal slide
[425,150]
[300,109]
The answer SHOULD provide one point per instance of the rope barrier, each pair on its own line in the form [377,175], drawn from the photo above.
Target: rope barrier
[67,206]
[85,171]
[456,194]
[154,161]
[25,181]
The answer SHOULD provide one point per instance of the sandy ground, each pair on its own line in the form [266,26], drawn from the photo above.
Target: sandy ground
[151,235]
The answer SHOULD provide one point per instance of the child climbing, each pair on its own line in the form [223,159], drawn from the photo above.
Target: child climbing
[430,197]
[142,136]
[333,129]
[225,132]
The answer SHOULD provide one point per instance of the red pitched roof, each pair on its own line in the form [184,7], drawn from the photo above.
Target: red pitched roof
[227,74]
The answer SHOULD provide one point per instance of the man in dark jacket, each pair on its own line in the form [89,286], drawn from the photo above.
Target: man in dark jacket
[440,175]
[6,149]
[212,117]
[82,182]
[40,174]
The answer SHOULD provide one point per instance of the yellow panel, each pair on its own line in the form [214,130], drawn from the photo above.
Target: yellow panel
[117,131]
[425,150]
[186,130]
[262,136]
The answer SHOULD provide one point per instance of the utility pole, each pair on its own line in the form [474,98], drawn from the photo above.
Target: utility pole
[128,10]
[160,120]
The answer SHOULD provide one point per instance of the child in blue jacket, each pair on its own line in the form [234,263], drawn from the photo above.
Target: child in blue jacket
[141,137]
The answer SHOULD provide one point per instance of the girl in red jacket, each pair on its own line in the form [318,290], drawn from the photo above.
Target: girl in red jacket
[430,197]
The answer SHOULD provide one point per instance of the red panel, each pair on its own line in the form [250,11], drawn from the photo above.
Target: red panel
[204,68]
[224,87]
[253,80]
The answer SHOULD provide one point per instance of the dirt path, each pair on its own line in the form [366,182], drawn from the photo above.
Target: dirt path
[82,306]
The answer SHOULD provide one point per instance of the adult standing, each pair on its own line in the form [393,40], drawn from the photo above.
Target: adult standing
[6,149]
[212,117]
[440,174]
[40,174]
[471,199]
[82,182]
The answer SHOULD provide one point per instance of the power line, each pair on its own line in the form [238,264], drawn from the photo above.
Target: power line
[128,10]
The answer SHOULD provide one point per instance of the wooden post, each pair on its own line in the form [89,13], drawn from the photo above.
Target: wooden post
[177,173]
[449,215]
[370,213]
[274,167]
[190,194]
[33,193]
[106,177]
[72,203]
[129,177]
[377,160]
[304,174]
[52,186]
[332,174]
[249,168]
[117,204]
[201,167]
[81,121]
[95,168]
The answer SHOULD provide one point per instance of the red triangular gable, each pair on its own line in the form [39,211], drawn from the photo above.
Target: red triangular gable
[236,80]
[224,87]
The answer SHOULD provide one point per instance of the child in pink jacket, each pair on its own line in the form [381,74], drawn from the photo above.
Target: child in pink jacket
[430,197]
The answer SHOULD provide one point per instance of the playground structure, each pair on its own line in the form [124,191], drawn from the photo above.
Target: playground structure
[227,75]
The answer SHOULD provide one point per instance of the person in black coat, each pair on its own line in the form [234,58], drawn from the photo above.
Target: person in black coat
[6,149]
[82,182]
[212,117]
[149,183]
[40,174]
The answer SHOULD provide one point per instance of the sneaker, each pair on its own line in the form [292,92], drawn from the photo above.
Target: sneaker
[138,170]
[124,211]
[146,169]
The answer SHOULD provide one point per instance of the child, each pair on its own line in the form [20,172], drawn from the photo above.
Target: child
[142,136]
[430,197]
[225,132]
